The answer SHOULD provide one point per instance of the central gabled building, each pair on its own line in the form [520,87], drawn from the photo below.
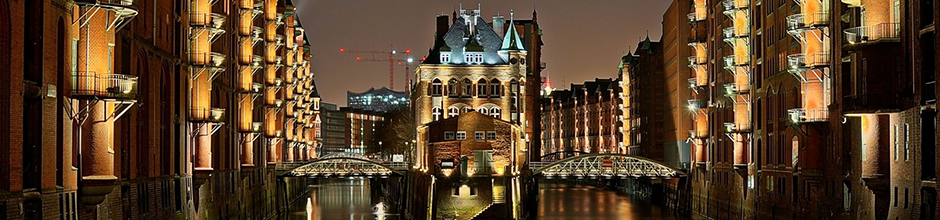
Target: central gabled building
[470,68]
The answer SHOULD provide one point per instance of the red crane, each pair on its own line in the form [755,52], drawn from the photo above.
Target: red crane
[391,56]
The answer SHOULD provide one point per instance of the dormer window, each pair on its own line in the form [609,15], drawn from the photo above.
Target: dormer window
[474,57]
[445,57]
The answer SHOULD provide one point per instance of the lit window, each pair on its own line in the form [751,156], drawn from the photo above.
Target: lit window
[453,112]
[436,112]
[448,135]
[461,135]
[478,135]
[445,58]
[494,112]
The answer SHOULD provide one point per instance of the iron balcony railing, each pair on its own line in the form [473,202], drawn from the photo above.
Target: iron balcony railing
[880,32]
[88,84]
[728,62]
[214,59]
[736,4]
[805,61]
[695,60]
[207,114]
[735,88]
[695,134]
[731,127]
[256,31]
[799,115]
[109,2]
[807,20]
[696,82]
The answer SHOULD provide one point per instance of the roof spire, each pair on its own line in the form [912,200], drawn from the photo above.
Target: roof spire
[511,40]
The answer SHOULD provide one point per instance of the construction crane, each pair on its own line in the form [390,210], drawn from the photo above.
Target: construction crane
[391,56]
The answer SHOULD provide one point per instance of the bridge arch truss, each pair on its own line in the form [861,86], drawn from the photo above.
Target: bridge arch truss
[607,166]
[342,166]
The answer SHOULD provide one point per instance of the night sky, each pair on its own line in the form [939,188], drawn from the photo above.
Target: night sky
[583,39]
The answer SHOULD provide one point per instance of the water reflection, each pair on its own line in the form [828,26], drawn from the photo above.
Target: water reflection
[571,201]
[341,199]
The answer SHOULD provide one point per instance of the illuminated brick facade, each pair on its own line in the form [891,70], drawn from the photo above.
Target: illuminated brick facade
[813,109]
[470,68]
[146,109]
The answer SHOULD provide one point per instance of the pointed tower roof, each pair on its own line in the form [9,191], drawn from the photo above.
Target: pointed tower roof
[512,41]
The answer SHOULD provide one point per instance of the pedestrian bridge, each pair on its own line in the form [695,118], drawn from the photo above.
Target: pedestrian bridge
[343,165]
[604,166]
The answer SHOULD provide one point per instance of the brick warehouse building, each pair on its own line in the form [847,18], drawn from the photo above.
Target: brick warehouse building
[827,109]
[139,99]
[583,119]
[470,68]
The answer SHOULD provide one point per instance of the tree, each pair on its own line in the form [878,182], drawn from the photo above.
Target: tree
[399,133]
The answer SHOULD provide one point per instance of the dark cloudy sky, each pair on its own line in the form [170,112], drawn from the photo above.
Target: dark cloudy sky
[583,39]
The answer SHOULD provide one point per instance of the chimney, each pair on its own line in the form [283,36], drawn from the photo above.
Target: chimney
[498,22]
[442,25]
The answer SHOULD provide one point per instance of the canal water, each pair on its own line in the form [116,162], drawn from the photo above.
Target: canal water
[353,199]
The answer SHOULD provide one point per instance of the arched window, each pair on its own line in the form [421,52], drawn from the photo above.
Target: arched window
[481,88]
[436,87]
[467,109]
[484,111]
[495,88]
[436,113]
[494,112]
[467,88]
[453,112]
[452,87]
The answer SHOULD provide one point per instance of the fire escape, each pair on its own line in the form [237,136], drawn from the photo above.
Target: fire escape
[699,82]
[248,89]
[273,83]
[738,64]
[811,67]
[205,66]
[98,96]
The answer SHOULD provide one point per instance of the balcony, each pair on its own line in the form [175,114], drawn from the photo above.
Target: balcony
[697,83]
[255,127]
[807,21]
[696,61]
[205,60]
[733,89]
[254,88]
[94,85]
[256,31]
[277,104]
[800,62]
[728,62]
[735,4]
[885,32]
[123,9]
[207,23]
[280,19]
[737,127]
[213,115]
[698,135]
[801,115]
